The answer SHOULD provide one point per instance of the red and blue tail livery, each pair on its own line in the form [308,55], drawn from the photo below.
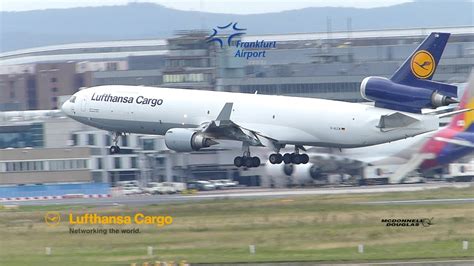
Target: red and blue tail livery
[411,89]
[456,140]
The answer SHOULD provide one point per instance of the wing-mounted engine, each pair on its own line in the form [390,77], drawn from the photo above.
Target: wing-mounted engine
[409,98]
[187,140]
[306,173]
[295,174]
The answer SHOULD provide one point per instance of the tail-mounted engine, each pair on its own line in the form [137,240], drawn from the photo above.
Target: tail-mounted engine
[409,98]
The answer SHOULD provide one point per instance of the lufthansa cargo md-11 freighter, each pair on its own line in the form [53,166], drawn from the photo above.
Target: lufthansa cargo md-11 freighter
[194,119]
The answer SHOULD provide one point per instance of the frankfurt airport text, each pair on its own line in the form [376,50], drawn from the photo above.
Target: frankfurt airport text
[262,44]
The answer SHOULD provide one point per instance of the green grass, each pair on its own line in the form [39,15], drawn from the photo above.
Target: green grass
[308,228]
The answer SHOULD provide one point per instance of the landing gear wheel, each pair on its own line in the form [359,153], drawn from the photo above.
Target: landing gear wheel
[114,149]
[287,158]
[248,162]
[275,158]
[304,158]
[255,162]
[238,161]
[295,158]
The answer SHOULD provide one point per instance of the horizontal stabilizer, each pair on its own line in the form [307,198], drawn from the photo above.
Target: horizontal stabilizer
[440,111]
[395,120]
[454,113]
[459,142]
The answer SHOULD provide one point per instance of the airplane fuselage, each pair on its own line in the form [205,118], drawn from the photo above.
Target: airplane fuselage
[288,120]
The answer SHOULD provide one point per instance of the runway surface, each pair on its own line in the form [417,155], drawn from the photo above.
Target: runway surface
[255,193]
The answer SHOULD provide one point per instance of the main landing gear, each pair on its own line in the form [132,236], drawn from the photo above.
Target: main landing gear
[246,160]
[115,148]
[276,158]
[287,158]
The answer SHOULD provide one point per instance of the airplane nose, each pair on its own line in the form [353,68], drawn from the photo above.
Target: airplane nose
[66,108]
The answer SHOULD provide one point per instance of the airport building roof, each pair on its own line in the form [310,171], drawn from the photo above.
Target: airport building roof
[85,51]
[391,33]
[113,50]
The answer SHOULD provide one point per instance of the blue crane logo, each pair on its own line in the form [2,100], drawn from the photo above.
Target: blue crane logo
[218,37]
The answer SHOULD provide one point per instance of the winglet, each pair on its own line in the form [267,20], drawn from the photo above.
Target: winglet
[225,113]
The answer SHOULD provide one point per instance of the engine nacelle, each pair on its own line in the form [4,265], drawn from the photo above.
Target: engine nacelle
[276,175]
[186,140]
[388,94]
[286,174]
[305,173]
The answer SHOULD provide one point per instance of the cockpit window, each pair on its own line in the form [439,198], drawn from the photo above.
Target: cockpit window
[72,99]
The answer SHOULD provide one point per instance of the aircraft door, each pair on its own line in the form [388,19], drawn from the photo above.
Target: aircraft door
[83,104]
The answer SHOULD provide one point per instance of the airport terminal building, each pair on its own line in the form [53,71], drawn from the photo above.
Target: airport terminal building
[323,65]
[327,65]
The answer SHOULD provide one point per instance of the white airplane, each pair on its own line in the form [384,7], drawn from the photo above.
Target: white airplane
[192,119]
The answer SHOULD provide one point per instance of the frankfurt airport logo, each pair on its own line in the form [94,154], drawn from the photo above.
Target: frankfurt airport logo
[422,64]
[229,36]
[218,35]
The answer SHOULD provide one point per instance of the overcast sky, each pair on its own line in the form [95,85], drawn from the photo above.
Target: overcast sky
[216,6]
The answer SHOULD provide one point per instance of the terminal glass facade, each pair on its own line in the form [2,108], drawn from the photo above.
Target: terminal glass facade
[22,136]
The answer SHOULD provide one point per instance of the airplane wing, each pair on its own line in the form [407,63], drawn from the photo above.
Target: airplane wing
[252,133]
[328,162]
[459,142]
[399,152]
[224,128]
[411,165]
[396,152]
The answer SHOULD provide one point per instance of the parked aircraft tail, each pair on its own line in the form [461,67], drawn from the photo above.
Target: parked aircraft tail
[465,121]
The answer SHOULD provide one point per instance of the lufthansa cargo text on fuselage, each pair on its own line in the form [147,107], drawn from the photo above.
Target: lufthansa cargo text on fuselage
[107,97]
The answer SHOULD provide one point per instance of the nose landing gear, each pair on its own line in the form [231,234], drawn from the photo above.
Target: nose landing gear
[115,148]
